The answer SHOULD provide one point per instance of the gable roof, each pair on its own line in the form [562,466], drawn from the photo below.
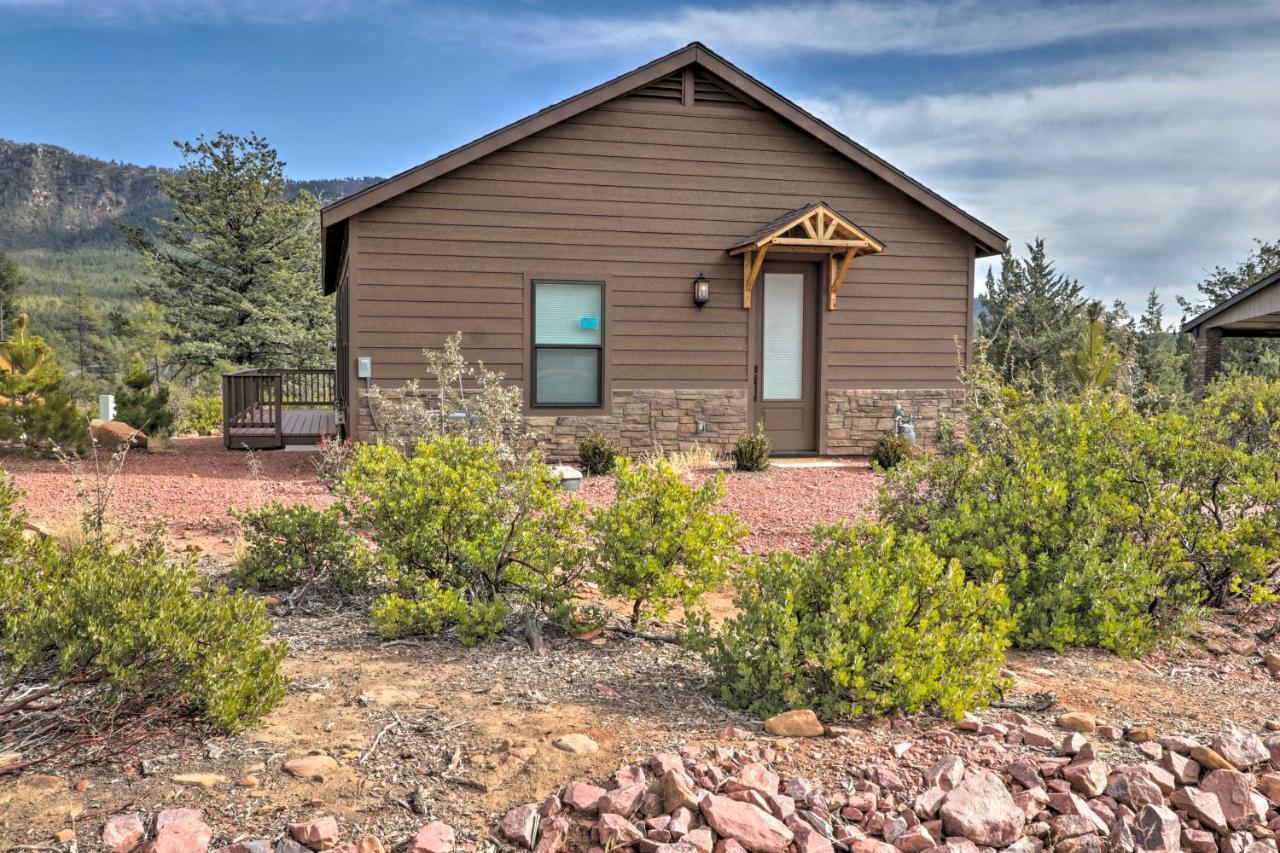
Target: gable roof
[1257,287]
[990,241]
[792,218]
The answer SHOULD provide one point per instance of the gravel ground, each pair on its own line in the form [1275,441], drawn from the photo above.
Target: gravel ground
[191,487]
[194,484]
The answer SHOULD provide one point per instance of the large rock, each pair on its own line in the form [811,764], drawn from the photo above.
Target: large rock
[435,837]
[554,835]
[754,776]
[982,810]
[576,743]
[678,790]
[616,831]
[1089,777]
[1157,828]
[1210,758]
[315,767]
[112,434]
[1203,806]
[753,828]
[122,833]
[1078,721]
[800,723]
[583,796]
[945,773]
[180,831]
[1240,746]
[521,825]
[1234,791]
[319,834]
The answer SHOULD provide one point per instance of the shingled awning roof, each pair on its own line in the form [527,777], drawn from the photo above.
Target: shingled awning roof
[815,228]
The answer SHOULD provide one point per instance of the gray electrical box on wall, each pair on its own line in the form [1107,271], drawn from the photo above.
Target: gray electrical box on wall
[364,367]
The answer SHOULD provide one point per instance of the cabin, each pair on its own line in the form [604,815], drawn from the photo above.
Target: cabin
[1252,313]
[674,256]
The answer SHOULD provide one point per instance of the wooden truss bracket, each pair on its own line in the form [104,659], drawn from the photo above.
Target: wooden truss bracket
[814,230]
[752,262]
[836,273]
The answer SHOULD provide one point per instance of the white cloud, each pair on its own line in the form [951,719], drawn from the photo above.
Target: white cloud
[136,12]
[859,27]
[1149,176]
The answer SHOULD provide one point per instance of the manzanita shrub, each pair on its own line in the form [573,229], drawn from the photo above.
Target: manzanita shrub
[466,538]
[1109,528]
[298,548]
[871,621]
[95,640]
[663,540]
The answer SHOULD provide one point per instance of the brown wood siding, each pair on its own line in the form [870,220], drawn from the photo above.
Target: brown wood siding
[650,192]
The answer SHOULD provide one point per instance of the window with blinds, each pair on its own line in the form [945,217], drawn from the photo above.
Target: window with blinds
[568,348]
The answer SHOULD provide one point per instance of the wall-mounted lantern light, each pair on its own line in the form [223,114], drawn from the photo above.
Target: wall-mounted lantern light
[701,290]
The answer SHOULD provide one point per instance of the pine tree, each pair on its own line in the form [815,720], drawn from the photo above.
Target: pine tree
[11,282]
[85,329]
[1256,356]
[1032,316]
[1160,368]
[1093,363]
[236,270]
[141,403]
[34,409]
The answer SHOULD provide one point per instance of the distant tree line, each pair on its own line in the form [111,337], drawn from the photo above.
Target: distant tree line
[1037,329]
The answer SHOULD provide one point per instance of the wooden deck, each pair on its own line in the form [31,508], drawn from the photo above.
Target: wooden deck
[298,428]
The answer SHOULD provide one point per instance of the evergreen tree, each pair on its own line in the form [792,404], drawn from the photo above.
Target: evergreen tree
[236,270]
[1094,362]
[1032,316]
[85,329]
[11,282]
[1256,356]
[141,403]
[1160,367]
[34,409]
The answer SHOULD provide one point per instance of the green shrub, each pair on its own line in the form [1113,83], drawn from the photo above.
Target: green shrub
[870,622]
[300,548]
[201,415]
[1109,528]
[141,403]
[435,608]
[751,451]
[890,450]
[597,452]
[35,408]
[662,539]
[452,513]
[110,637]
[1248,409]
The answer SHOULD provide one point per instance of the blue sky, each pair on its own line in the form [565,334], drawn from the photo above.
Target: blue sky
[1140,138]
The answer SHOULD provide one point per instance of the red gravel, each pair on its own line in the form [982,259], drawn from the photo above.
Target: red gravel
[781,505]
[192,487]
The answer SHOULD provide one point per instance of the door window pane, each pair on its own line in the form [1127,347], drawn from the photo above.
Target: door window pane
[566,313]
[568,376]
[783,336]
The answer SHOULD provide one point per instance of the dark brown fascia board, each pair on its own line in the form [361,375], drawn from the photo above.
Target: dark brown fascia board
[990,241]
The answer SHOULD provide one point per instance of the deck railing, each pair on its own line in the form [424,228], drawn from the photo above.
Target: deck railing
[253,401]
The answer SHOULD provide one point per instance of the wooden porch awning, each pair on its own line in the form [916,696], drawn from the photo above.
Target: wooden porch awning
[815,229]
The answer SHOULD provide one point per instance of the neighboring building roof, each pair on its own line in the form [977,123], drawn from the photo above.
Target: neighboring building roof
[990,241]
[1252,290]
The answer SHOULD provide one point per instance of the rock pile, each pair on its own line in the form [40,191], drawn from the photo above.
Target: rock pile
[185,831]
[1053,792]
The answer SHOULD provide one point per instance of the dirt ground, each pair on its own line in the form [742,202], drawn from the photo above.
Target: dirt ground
[429,729]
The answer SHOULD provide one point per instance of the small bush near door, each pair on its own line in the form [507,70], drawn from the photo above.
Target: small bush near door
[597,452]
[751,452]
[872,621]
[890,450]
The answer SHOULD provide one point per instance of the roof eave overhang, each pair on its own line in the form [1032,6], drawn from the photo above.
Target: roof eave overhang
[987,240]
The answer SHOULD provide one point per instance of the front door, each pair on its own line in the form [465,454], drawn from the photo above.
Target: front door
[786,336]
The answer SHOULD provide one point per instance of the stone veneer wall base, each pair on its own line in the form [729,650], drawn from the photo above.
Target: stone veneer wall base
[857,417]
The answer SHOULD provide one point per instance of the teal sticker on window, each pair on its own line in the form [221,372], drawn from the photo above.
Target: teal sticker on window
[589,323]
